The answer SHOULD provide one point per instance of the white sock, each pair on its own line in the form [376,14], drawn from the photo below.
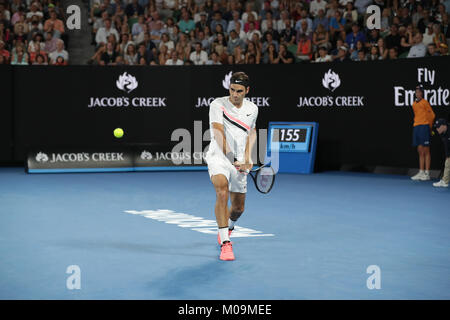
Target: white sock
[427,172]
[421,171]
[223,233]
[231,224]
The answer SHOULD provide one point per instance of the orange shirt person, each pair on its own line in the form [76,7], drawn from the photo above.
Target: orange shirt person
[54,23]
[423,124]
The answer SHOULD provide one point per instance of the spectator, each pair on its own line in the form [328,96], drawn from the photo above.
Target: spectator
[304,48]
[323,55]
[428,35]
[104,32]
[353,37]
[270,55]
[432,50]
[130,56]
[373,53]
[354,54]
[234,41]
[40,60]
[282,22]
[383,51]
[60,61]
[284,56]
[407,38]
[304,30]
[350,14]
[232,23]
[248,11]
[393,39]
[361,6]
[425,21]
[446,26]
[251,31]
[443,49]
[240,30]
[214,59]
[200,25]
[186,24]
[320,19]
[239,57]
[174,61]
[138,27]
[3,52]
[269,40]
[337,23]
[218,20]
[165,40]
[342,55]
[134,9]
[59,52]
[109,54]
[19,57]
[361,55]
[268,21]
[317,5]
[303,17]
[438,36]
[372,37]
[320,38]
[163,55]
[393,53]
[55,24]
[199,56]
[253,51]
[251,20]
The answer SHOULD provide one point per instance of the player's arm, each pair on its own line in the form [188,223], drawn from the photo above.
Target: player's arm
[251,141]
[219,136]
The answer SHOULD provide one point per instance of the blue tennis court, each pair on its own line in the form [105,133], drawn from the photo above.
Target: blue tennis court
[148,235]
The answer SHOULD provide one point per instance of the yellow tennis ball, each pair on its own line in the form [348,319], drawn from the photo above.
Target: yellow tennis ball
[118,133]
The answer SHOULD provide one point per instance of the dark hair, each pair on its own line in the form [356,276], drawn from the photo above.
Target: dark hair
[240,78]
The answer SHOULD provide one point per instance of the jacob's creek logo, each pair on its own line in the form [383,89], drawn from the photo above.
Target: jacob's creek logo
[435,96]
[80,157]
[127,83]
[331,81]
[206,101]
[172,156]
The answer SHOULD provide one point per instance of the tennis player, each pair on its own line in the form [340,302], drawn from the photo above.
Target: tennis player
[232,122]
[423,124]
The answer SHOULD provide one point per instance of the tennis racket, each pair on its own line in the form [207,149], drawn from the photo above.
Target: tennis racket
[263,177]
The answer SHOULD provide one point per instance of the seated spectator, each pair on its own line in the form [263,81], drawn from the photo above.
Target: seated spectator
[269,40]
[361,6]
[40,60]
[406,38]
[174,61]
[281,23]
[393,39]
[19,57]
[320,38]
[130,56]
[418,49]
[163,55]
[156,33]
[217,19]
[304,48]
[323,55]
[186,23]
[50,42]
[425,22]
[3,52]
[320,19]
[220,41]
[240,31]
[239,57]
[428,36]
[342,55]
[134,9]
[316,5]
[373,53]
[304,30]
[252,50]
[335,50]
[232,23]
[198,56]
[288,34]
[284,56]
[55,24]
[34,11]
[272,31]
[354,36]
[432,50]
[35,27]
[22,25]
[251,20]
[109,54]
[270,55]
[337,23]
[443,49]
[165,40]
[304,17]
[372,37]
[350,14]
[361,55]
[383,51]
[268,20]
[333,7]
[234,41]
[138,27]
[104,32]
[438,36]
[248,11]
[60,61]
[354,53]
[252,31]
[214,59]
[59,52]
[393,53]
[200,25]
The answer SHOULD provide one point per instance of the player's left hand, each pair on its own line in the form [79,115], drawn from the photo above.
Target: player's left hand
[245,167]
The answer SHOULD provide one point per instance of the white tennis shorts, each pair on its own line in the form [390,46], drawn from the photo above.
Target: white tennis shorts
[237,181]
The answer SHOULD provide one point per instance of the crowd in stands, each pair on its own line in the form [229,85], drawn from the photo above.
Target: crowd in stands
[32,32]
[180,32]
[208,32]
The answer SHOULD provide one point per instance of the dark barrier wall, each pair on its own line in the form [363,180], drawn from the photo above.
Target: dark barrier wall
[363,108]
[6,113]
